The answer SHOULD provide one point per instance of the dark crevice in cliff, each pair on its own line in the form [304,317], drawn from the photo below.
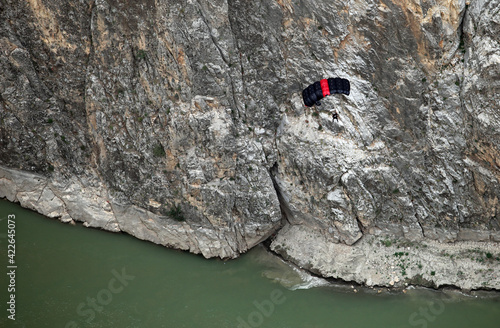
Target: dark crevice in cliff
[461,32]
[91,41]
[462,51]
[234,32]
[286,213]
[360,227]
[420,225]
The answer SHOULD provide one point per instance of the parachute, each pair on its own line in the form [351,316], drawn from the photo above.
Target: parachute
[320,89]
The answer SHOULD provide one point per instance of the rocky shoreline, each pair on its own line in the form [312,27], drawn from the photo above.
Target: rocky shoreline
[373,261]
[391,262]
[88,201]
[292,277]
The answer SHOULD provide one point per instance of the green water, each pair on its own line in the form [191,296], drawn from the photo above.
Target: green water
[71,276]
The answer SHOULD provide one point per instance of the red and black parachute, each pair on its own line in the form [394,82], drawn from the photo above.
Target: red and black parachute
[318,90]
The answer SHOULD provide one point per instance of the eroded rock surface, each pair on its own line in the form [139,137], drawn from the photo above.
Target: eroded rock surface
[182,123]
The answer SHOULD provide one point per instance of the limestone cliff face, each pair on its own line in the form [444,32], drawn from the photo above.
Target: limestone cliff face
[128,115]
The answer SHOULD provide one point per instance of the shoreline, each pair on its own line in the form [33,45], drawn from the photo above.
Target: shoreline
[292,277]
[374,260]
[395,263]
[355,285]
[389,255]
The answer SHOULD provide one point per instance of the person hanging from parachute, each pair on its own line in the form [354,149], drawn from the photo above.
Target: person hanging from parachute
[320,89]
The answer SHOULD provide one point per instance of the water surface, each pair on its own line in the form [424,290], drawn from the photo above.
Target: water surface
[72,276]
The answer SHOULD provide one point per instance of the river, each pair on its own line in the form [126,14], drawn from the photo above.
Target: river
[72,276]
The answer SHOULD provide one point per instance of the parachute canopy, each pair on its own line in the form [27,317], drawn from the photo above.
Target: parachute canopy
[318,90]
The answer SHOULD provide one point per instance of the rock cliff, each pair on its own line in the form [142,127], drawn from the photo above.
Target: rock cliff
[181,122]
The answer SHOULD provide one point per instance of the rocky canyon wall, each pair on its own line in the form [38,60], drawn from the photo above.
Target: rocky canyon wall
[182,123]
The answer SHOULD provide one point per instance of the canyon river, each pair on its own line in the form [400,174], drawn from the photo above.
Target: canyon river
[71,276]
